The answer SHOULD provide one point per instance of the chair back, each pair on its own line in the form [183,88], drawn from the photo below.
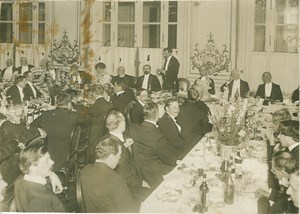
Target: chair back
[79,195]
[128,109]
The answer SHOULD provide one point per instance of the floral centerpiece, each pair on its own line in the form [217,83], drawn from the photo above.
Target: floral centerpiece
[160,97]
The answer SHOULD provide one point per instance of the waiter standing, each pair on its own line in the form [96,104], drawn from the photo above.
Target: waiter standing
[170,71]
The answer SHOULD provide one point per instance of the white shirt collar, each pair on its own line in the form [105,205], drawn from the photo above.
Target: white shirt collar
[291,147]
[35,179]
[174,120]
[1,122]
[120,92]
[118,135]
[99,97]
[20,89]
[141,103]
[147,75]
[149,121]
[169,57]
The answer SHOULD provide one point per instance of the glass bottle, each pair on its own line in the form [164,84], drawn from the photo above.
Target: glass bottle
[229,188]
[203,194]
[238,163]
[232,165]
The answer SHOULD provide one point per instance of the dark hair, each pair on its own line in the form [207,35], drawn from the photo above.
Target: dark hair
[193,95]
[105,148]
[121,83]
[72,92]
[289,128]
[63,99]
[140,90]
[26,73]
[18,79]
[147,66]
[113,119]
[31,154]
[100,65]
[284,161]
[169,102]
[150,110]
[2,116]
[168,49]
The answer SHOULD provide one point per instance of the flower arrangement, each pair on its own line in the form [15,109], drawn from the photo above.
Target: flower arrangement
[229,121]
[160,97]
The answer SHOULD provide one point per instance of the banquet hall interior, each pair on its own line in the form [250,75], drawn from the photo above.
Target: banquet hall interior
[149,106]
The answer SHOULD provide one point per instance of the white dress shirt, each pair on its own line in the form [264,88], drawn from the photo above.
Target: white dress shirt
[24,69]
[32,88]
[52,74]
[168,61]
[235,88]
[8,73]
[21,92]
[268,89]
[145,81]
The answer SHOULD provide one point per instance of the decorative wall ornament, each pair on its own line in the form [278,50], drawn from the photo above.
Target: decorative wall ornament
[64,52]
[215,60]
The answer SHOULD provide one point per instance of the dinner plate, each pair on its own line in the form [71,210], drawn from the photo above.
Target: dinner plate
[168,195]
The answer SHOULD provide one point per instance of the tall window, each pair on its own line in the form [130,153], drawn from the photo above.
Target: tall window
[172,24]
[151,24]
[276,25]
[106,23]
[126,21]
[29,19]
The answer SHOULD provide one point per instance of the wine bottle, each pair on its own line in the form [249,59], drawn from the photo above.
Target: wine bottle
[232,165]
[203,194]
[238,163]
[229,188]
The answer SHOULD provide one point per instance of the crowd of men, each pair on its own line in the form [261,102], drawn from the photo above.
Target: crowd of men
[130,147]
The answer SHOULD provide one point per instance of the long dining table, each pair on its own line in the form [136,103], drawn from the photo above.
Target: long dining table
[179,192]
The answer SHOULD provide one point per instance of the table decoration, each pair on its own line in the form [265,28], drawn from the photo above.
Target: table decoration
[160,97]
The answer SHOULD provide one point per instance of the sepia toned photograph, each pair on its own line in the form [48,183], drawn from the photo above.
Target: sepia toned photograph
[148,106]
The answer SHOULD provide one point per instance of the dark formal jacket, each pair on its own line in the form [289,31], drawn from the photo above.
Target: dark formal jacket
[295,153]
[244,88]
[129,80]
[13,94]
[211,85]
[154,155]
[193,119]
[126,166]
[105,191]
[281,206]
[170,130]
[19,69]
[34,197]
[85,77]
[4,70]
[137,113]
[58,124]
[121,101]
[29,93]
[276,93]
[295,95]
[98,111]
[171,74]
[153,83]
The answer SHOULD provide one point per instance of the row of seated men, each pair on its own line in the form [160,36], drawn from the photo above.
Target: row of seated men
[155,149]
[283,163]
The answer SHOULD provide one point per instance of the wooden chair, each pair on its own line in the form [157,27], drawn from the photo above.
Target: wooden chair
[128,109]
[79,195]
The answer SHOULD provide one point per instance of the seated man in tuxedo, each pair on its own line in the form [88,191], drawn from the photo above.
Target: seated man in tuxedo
[155,156]
[129,80]
[24,66]
[171,129]
[115,123]
[15,93]
[100,94]
[123,95]
[32,191]
[148,81]
[59,124]
[236,86]
[8,73]
[269,91]
[204,77]
[103,189]
[30,91]
[136,113]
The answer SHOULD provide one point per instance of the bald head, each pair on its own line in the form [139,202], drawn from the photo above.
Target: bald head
[235,74]
[267,77]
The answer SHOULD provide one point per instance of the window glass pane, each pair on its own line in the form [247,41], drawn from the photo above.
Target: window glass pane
[151,11]
[41,33]
[286,39]
[106,34]
[173,11]
[151,36]
[287,11]
[42,12]
[260,11]
[125,35]
[107,11]
[25,33]
[259,38]
[6,32]
[25,12]
[126,12]
[172,36]
[6,12]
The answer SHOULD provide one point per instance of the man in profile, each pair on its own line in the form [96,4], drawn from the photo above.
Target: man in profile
[30,91]
[15,93]
[104,190]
